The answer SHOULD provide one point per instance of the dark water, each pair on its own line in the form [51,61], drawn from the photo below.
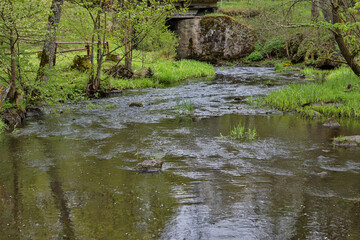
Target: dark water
[69,176]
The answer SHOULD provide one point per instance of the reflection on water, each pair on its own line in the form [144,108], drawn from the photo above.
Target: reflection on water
[70,176]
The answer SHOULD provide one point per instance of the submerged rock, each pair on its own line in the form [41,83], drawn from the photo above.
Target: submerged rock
[331,123]
[136,104]
[347,141]
[152,165]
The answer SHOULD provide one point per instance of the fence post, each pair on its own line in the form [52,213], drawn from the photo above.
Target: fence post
[54,60]
[88,49]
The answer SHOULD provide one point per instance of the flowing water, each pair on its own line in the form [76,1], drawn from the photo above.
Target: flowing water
[70,175]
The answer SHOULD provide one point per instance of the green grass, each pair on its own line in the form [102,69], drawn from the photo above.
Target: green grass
[314,73]
[333,96]
[169,72]
[185,107]
[65,84]
[240,133]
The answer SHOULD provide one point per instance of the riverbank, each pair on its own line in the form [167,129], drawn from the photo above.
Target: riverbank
[333,96]
[67,85]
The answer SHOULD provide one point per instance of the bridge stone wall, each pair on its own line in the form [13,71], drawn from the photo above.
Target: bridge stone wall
[214,38]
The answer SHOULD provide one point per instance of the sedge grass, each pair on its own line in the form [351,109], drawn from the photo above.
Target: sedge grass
[341,88]
[241,133]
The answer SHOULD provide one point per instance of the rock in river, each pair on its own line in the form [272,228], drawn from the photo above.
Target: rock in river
[136,104]
[347,141]
[152,165]
[331,123]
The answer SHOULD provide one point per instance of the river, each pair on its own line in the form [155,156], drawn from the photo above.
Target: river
[70,175]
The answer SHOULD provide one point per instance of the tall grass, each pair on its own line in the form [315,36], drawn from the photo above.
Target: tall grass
[169,72]
[185,107]
[341,87]
[240,133]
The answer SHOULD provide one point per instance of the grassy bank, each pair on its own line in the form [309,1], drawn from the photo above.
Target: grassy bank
[338,95]
[66,84]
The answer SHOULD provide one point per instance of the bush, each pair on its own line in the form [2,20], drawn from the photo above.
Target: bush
[274,48]
[254,56]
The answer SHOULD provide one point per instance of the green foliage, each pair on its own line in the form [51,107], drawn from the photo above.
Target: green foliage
[65,84]
[168,72]
[241,133]
[274,48]
[93,106]
[338,96]
[160,39]
[316,74]
[185,107]
[2,126]
[254,56]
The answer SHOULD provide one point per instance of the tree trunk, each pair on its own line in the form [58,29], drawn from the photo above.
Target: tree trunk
[12,84]
[344,48]
[128,45]
[49,50]
[314,10]
[325,6]
[94,78]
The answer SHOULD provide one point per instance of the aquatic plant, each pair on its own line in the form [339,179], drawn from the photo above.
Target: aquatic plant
[240,133]
[185,107]
[92,106]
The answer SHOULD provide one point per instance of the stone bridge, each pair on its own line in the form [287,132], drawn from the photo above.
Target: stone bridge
[195,8]
[211,38]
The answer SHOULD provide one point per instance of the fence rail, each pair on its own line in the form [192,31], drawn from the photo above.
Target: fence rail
[87,47]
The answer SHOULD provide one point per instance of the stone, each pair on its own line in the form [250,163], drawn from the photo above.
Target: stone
[347,141]
[136,104]
[214,38]
[331,123]
[152,165]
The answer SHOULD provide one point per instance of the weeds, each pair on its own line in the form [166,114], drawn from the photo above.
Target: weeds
[185,107]
[92,106]
[241,133]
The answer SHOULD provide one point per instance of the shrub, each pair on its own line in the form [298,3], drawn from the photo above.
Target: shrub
[254,56]
[274,48]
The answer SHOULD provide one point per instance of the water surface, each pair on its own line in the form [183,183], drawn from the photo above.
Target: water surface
[70,175]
